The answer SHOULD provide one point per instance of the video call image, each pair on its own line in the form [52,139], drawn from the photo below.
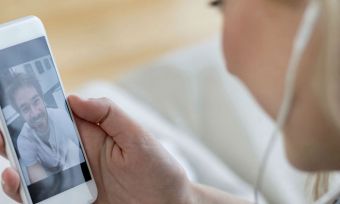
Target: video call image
[38,120]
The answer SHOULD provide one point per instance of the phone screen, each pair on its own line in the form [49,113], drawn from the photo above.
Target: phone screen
[39,121]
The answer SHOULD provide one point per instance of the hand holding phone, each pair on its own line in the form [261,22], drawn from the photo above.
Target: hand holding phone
[128,164]
[43,144]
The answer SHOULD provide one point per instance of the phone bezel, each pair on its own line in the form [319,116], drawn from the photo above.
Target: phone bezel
[13,33]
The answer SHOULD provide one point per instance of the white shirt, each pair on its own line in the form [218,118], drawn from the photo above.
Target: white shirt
[62,150]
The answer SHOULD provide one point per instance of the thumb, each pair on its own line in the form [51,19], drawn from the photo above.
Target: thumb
[108,116]
[11,183]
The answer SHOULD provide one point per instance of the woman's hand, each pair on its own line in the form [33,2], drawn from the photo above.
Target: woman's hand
[129,166]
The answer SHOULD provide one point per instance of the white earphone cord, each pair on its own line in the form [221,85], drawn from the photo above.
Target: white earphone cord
[300,42]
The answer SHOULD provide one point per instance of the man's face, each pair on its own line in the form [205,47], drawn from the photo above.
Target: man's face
[32,108]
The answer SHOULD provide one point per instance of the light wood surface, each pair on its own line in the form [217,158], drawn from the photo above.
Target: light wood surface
[101,39]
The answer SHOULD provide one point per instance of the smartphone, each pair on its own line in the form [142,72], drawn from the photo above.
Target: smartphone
[42,140]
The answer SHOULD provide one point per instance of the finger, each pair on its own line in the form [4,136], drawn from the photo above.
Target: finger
[92,137]
[11,184]
[2,145]
[92,110]
[113,121]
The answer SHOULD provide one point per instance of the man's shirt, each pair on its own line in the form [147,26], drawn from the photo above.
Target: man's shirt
[60,152]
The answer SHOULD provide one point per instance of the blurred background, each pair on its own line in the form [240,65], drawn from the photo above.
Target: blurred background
[104,38]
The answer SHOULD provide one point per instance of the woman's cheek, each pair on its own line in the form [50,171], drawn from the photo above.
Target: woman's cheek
[231,43]
[241,37]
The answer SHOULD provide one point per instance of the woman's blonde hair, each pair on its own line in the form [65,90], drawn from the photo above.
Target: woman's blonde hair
[317,185]
[328,77]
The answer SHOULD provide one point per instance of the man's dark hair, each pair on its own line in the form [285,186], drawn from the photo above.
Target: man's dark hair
[19,81]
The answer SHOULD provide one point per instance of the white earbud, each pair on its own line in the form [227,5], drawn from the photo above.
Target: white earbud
[301,40]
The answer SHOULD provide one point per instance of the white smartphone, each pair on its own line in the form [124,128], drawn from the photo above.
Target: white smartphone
[41,137]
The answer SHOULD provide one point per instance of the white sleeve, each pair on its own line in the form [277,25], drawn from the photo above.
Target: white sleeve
[27,150]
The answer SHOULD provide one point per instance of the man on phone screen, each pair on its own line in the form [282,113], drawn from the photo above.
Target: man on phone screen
[47,142]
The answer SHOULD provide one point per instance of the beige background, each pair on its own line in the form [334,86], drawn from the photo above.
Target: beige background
[101,39]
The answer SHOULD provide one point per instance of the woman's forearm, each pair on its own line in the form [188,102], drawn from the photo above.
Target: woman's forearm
[208,195]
